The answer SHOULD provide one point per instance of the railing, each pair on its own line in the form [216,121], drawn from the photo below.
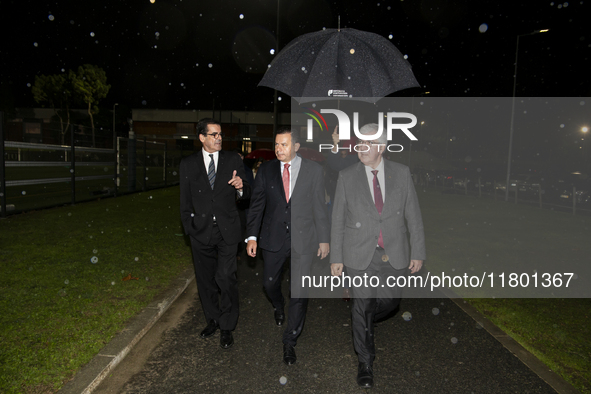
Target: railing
[34,176]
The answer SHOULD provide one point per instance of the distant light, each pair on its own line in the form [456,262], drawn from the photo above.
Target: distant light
[182,136]
[585,129]
[543,30]
[483,28]
[152,1]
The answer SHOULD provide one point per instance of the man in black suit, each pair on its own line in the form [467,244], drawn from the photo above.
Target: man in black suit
[288,200]
[210,181]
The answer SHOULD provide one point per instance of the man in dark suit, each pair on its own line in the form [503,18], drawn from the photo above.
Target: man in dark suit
[375,211]
[210,181]
[288,200]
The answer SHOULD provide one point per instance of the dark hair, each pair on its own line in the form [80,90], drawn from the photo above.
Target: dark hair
[295,138]
[239,151]
[204,123]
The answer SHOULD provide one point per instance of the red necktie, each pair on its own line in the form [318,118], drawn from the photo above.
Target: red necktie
[286,181]
[377,194]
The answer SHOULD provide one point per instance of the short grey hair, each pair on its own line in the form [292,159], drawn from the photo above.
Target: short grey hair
[372,129]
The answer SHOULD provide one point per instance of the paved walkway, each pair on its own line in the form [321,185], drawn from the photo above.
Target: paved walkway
[448,352]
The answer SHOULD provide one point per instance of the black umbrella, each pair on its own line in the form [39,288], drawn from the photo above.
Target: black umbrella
[339,63]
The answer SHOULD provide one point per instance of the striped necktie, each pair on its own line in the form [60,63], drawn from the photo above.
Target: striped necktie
[211,172]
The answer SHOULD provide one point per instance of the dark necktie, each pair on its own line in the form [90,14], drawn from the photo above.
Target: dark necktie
[286,181]
[379,201]
[211,172]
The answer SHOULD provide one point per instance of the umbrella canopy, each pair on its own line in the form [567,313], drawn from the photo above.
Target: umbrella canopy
[345,63]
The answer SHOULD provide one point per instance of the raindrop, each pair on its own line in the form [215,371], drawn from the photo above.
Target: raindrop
[144,102]
[279,98]
[210,65]
[35,44]
[283,380]
[67,282]
[407,316]
[112,283]
[69,213]
[241,16]
[94,260]
[272,51]
[137,259]
[95,251]
[51,17]
[483,28]
[157,34]
[92,34]
[454,340]
[435,311]
[23,192]
[357,224]
[562,126]
[71,171]
[405,56]
[390,36]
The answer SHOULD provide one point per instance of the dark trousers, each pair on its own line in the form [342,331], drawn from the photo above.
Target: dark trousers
[298,303]
[371,304]
[215,274]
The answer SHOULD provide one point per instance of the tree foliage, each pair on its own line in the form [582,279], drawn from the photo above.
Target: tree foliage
[57,91]
[90,85]
[87,85]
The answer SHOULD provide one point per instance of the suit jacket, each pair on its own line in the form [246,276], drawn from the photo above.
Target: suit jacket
[199,203]
[304,216]
[356,223]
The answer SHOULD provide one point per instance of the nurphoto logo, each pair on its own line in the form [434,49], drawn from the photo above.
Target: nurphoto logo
[344,127]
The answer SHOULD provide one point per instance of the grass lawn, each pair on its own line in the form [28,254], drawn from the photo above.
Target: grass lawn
[466,235]
[62,297]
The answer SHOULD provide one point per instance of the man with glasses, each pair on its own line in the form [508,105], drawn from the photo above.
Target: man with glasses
[375,211]
[211,181]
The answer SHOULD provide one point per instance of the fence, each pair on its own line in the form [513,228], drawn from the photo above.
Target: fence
[565,200]
[34,175]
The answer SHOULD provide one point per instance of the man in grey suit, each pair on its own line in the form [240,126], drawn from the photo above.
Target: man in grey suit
[375,211]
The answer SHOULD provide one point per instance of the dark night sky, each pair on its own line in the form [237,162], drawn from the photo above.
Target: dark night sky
[185,53]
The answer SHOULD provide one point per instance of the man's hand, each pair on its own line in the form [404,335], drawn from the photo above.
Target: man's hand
[336,269]
[236,181]
[323,250]
[251,248]
[335,139]
[415,266]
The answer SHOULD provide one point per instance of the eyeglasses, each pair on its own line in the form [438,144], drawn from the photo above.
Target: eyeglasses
[215,135]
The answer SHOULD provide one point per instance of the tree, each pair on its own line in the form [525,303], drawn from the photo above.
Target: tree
[56,90]
[90,85]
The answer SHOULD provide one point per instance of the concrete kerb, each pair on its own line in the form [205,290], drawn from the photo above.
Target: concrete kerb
[538,367]
[93,373]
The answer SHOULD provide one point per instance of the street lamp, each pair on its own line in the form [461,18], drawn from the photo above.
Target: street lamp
[584,130]
[114,105]
[513,109]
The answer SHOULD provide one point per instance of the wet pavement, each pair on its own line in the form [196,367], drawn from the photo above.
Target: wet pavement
[444,352]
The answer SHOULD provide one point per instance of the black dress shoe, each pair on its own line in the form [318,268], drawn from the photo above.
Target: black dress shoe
[279,317]
[365,376]
[289,356]
[210,329]
[226,339]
